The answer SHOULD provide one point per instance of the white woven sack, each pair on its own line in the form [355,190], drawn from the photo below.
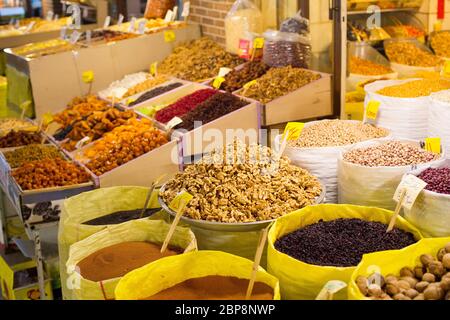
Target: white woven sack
[405,71]
[404,117]
[439,120]
[372,186]
[431,211]
[321,162]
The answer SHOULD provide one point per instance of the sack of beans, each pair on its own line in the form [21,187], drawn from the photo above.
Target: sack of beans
[439,118]
[90,212]
[431,211]
[201,275]
[403,105]
[369,173]
[317,244]
[320,144]
[97,263]
[418,272]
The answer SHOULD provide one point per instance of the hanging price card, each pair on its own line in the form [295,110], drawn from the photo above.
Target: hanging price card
[413,186]
[294,129]
[87,76]
[218,82]
[47,118]
[372,109]
[433,145]
[258,43]
[249,84]
[169,36]
[183,196]
[154,68]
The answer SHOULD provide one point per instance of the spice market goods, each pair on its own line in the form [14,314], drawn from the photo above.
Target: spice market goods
[366,67]
[213,108]
[6,125]
[339,243]
[439,117]
[440,43]
[237,78]
[119,259]
[415,88]
[118,89]
[198,60]
[278,82]
[248,185]
[154,93]
[409,54]
[214,288]
[37,49]
[370,172]
[146,85]
[437,179]
[19,138]
[49,173]
[31,152]
[427,279]
[121,217]
[320,144]
[158,8]
[184,105]
[122,145]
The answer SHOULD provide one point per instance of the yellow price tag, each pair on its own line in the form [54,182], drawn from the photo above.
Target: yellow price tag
[183,196]
[154,68]
[218,82]
[433,145]
[446,70]
[25,105]
[372,109]
[258,43]
[47,118]
[169,36]
[88,76]
[295,130]
[249,84]
[437,26]
[130,101]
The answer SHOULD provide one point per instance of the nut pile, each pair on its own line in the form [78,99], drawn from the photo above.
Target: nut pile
[122,145]
[390,154]
[215,107]
[339,242]
[49,173]
[19,138]
[278,82]
[367,67]
[7,125]
[155,92]
[79,108]
[32,152]
[440,43]
[407,53]
[429,280]
[437,179]
[415,88]
[146,85]
[240,183]
[236,79]
[119,88]
[198,60]
[333,133]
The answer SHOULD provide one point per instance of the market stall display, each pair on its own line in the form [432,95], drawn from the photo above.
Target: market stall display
[320,144]
[44,48]
[419,272]
[31,152]
[153,93]
[104,36]
[118,89]
[303,273]
[237,78]
[369,173]
[9,124]
[212,271]
[19,138]
[440,43]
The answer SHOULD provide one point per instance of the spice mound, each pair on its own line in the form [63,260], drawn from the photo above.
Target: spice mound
[121,217]
[240,183]
[214,288]
[198,60]
[428,280]
[333,133]
[236,79]
[341,242]
[437,179]
[49,173]
[415,88]
[155,92]
[390,154]
[215,107]
[440,43]
[119,259]
[278,82]
[407,53]
[32,152]
[19,138]
[367,67]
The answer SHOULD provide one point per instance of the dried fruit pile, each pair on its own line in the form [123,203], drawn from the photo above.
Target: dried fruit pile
[32,152]
[79,108]
[19,138]
[437,179]
[155,92]
[440,43]
[367,67]
[237,78]
[407,53]
[416,88]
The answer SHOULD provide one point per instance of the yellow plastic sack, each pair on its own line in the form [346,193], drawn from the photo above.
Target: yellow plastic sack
[18,91]
[392,261]
[303,281]
[168,272]
[91,205]
[153,231]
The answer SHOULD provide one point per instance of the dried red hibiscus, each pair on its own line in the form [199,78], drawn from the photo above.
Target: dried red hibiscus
[184,105]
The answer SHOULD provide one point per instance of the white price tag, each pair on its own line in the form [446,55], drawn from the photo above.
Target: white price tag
[223,72]
[88,36]
[107,22]
[82,142]
[17,24]
[413,187]
[62,33]
[49,16]
[186,9]
[174,122]
[56,17]
[132,24]
[168,16]
[141,29]
[74,37]
[174,13]
[119,22]
[30,26]
[85,12]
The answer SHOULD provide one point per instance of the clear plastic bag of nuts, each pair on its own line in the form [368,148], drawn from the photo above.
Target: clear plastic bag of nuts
[286,48]
[158,8]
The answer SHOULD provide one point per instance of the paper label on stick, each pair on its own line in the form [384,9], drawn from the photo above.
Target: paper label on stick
[30,26]
[186,9]
[107,22]
[141,27]
[295,130]
[218,82]
[168,16]
[433,145]
[47,118]
[130,101]
[174,13]
[372,110]
[181,197]
[82,142]
[169,36]
[62,34]
[249,84]
[132,24]
[49,16]
[154,68]
[88,76]
[74,37]
[413,187]
[330,288]
[224,71]
[172,123]
[258,43]
[119,22]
